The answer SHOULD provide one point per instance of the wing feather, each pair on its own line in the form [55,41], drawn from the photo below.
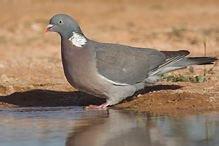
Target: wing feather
[124,64]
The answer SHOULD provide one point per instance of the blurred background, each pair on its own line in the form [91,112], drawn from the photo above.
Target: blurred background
[30,59]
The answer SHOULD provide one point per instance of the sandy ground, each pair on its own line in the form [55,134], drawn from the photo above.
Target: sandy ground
[30,64]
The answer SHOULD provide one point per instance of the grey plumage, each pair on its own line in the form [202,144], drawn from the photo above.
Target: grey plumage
[126,64]
[112,71]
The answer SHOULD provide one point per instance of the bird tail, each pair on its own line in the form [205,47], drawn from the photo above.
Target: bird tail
[179,61]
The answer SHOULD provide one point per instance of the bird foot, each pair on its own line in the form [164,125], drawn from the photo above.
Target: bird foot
[100,107]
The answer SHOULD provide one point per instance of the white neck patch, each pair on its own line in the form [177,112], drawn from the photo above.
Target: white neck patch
[77,39]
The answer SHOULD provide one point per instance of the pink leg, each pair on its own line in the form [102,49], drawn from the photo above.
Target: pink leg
[102,106]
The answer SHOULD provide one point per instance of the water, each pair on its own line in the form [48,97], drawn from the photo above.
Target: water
[73,126]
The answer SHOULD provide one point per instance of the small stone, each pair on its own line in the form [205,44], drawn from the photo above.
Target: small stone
[139,95]
[9,90]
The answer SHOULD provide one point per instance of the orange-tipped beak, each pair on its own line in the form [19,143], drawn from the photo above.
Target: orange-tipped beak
[48,27]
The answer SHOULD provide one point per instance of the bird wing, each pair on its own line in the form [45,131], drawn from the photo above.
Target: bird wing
[172,58]
[124,65]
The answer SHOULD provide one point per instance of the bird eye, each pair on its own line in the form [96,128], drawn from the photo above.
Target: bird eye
[60,21]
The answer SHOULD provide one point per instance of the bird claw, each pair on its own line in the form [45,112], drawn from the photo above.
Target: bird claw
[100,107]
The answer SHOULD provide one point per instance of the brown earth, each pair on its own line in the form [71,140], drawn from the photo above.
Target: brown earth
[30,65]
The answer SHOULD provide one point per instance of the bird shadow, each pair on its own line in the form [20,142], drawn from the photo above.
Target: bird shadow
[43,98]
[38,97]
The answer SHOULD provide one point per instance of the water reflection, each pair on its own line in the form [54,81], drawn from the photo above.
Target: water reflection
[44,126]
[125,129]
[73,126]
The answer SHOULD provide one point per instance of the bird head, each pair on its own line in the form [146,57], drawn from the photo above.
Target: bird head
[64,25]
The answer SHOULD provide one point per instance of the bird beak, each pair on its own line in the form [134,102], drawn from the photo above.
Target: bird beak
[48,28]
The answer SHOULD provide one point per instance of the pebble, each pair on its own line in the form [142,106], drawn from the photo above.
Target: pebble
[9,90]
[139,95]
[169,101]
